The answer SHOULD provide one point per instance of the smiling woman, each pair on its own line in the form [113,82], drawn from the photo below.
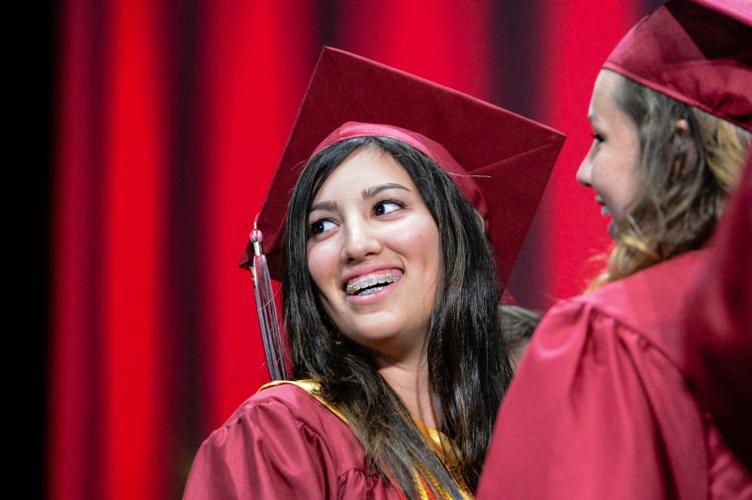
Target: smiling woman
[611,165]
[385,249]
[376,247]
[601,406]
[377,273]
[662,168]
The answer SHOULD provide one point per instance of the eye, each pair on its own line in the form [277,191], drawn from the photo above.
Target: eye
[386,207]
[598,137]
[320,226]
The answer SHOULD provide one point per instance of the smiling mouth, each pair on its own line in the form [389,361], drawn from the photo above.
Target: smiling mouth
[370,284]
[605,212]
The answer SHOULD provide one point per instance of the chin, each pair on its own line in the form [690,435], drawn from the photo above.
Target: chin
[368,335]
[383,338]
[378,342]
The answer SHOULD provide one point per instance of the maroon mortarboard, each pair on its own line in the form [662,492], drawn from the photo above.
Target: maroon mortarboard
[501,161]
[698,52]
[506,157]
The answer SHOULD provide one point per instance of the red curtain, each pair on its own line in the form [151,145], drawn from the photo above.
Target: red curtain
[171,119]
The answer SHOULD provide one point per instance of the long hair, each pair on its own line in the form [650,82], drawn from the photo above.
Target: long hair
[467,365]
[684,179]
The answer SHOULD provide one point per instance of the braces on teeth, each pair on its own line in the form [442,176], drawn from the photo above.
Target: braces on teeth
[356,287]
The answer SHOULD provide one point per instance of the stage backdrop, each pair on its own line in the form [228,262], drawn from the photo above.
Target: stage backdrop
[171,117]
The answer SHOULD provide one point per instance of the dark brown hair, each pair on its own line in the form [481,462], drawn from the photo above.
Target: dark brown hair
[467,365]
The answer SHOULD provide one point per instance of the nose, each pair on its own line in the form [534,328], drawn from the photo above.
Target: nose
[361,241]
[585,172]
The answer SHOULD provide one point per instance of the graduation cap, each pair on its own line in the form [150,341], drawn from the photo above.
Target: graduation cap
[500,161]
[698,52]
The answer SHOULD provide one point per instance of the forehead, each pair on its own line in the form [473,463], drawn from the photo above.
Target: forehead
[603,101]
[363,169]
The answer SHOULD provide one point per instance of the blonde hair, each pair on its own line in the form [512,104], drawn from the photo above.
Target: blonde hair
[685,177]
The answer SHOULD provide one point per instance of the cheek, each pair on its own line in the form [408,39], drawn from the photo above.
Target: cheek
[628,159]
[416,234]
[420,239]
[608,173]
[626,184]
[634,170]
[322,264]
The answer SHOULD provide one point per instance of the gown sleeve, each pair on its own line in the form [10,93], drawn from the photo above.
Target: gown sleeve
[595,411]
[719,347]
[263,451]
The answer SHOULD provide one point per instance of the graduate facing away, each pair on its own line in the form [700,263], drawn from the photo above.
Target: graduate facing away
[391,224]
[601,406]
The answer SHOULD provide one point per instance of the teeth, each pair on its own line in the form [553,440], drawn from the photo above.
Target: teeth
[355,287]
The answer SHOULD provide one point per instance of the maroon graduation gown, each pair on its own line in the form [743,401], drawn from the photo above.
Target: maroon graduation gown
[719,325]
[283,443]
[600,407]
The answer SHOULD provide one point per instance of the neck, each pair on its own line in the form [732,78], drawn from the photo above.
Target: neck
[409,379]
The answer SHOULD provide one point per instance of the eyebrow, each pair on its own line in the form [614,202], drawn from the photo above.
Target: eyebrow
[366,194]
[331,206]
[374,190]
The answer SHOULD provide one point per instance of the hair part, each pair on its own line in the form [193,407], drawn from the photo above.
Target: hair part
[685,175]
[467,365]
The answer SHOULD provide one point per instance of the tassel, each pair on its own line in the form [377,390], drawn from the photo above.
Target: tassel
[267,312]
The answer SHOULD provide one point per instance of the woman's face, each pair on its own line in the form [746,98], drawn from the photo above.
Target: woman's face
[373,254]
[611,165]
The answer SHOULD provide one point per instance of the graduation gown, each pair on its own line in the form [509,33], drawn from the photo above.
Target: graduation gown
[285,443]
[719,325]
[600,407]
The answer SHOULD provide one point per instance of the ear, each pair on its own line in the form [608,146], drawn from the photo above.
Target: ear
[681,126]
